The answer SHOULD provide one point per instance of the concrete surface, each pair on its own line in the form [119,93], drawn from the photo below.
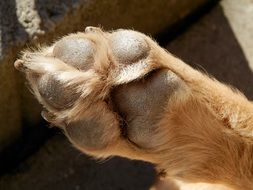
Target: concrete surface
[210,45]
[240,17]
[25,22]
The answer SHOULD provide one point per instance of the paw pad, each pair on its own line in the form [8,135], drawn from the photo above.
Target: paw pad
[77,52]
[128,47]
[55,93]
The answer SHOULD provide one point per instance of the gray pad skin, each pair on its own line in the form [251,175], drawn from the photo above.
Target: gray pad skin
[128,47]
[55,93]
[75,51]
[141,104]
[88,133]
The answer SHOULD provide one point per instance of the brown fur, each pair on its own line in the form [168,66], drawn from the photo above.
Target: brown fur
[138,101]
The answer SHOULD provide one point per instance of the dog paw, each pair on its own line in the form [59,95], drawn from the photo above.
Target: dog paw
[101,86]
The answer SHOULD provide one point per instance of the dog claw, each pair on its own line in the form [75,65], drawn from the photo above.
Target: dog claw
[47,116]
[19,65]
[92,29]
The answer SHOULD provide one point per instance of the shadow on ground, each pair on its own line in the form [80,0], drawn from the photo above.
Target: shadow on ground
[211,46]
[58,166]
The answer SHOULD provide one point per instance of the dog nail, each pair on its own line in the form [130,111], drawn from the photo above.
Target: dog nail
[19,65]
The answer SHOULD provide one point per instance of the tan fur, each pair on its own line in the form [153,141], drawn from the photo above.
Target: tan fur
[151,107]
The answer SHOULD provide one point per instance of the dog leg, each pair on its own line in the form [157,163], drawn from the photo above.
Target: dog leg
[119,93]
